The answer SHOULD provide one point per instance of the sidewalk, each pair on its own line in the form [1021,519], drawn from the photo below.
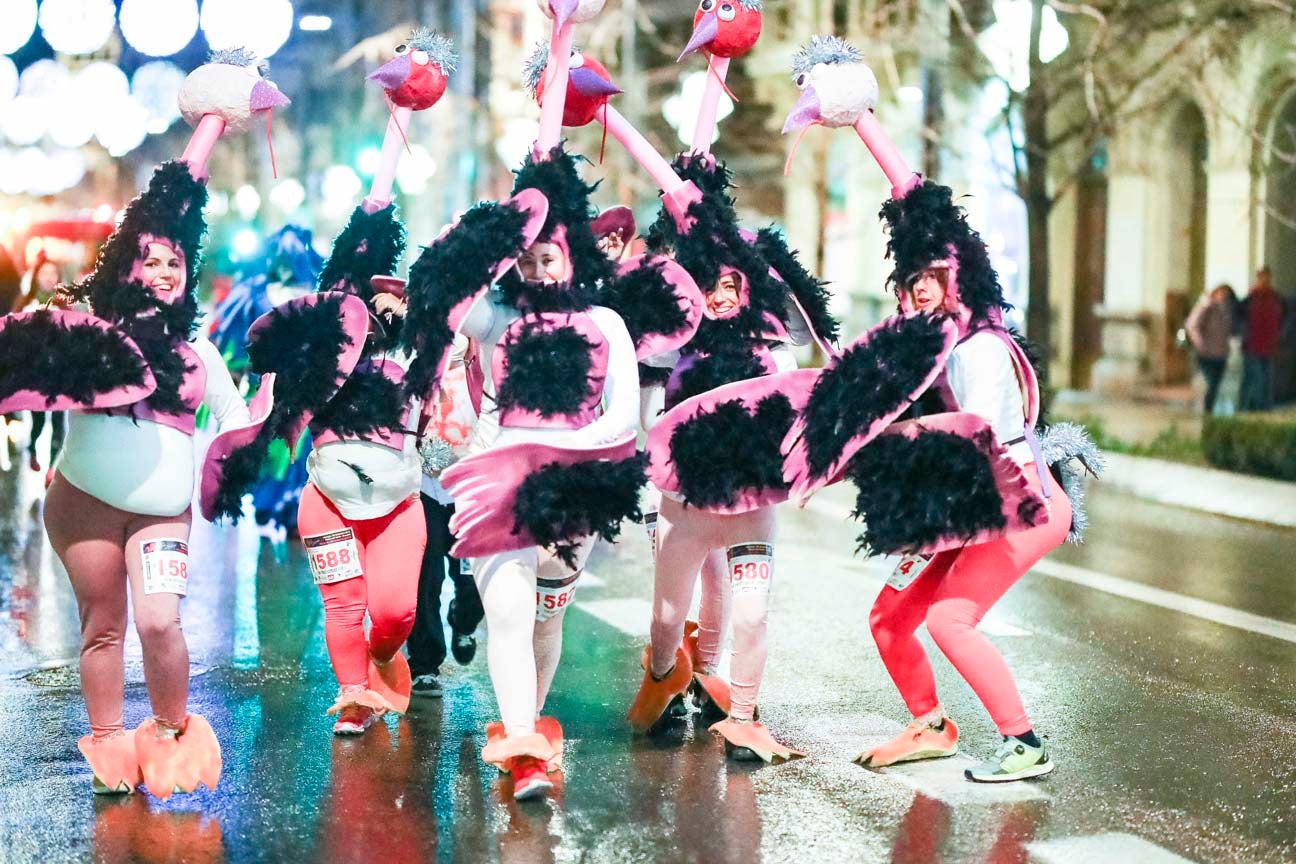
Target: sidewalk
[1211,490]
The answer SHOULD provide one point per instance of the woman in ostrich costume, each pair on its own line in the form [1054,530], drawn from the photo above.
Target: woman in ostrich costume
[715,453]
[553,462]
[360,518]
[133,376]
[963,488]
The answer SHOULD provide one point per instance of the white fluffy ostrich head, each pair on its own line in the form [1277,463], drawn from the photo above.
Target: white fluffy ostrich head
[837,87]
[231,85]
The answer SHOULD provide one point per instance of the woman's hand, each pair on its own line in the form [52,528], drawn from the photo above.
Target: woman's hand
[388,305]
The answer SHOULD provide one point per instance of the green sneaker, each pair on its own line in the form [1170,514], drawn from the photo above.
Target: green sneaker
[1014,760]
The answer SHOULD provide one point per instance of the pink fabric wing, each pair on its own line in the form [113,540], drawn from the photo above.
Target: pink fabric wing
[485,487]
[67,321]
[794,384]
[687,296]
[796,470]
[230,440]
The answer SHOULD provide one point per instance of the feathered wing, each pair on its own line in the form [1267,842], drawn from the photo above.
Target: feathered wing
[859,393]
[458,268]
[939,483]
[658,301]
[812,295]
[56,360]
[370,245]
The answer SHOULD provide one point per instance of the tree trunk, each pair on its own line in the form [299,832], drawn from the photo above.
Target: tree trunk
[1035,192]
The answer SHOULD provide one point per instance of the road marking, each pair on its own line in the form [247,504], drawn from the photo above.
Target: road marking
[589,580]
[630,615]
[1126,848]
[999,627]
[1203,609]
[943,779]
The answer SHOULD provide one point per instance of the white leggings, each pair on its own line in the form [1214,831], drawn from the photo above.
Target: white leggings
[522,653]
[689,541]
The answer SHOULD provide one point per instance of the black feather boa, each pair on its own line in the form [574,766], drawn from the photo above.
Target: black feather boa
[911,492]
[452,269]
[559,505]
[530,296]
[370,245]
[714,241]
[157,340]
[239,471]
[869,381]
[923,225]
[79,361]
[171,207]
[725,451]
[301,345]
[810,292]
[645,302]
[715,370]
[569,206]
[548,370]
[368,403]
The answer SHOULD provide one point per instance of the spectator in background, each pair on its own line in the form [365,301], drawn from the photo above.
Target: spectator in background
[1262,324]
[1209,326]
[10,291]
[42,288]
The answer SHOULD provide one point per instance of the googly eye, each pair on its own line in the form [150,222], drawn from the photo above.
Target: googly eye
[801,81]
[707,5]
[419,57]
[727,12]
[577,60]
[402,48]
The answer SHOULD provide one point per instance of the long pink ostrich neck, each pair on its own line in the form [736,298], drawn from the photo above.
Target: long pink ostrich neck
[704,130]
[555,89]
[380,191]
[884,151]
[199,149]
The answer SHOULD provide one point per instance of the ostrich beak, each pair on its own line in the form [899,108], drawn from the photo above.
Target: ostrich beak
[703,34]
[586,82]
[391,74]
[562,11]
[804,112]
[266,95]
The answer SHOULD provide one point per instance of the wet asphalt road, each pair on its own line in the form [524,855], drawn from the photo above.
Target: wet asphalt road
[1174,733]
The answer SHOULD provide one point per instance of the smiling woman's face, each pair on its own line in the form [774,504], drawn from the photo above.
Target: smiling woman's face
[163,272]
[544,262]
[724,299]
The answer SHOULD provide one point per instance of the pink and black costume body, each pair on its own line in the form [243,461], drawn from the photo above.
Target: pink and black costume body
[944,455]
[715,450]
[361,520]
[552,462]
[117,512]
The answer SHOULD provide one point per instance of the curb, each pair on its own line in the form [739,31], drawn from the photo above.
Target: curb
[1224,493]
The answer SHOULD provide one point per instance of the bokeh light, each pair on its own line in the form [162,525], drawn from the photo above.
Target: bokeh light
[77,26]
[8,79]
[19,17]
[156,86]
[159,28]
[122,126]
[261,26]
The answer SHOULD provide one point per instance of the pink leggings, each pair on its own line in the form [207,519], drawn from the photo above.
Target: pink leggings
[688,539]
[99,546]
[715,605]
[391,550]
[952,595]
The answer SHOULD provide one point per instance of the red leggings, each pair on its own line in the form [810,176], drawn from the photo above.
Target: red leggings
[391,549]
[99,546]
[952,595]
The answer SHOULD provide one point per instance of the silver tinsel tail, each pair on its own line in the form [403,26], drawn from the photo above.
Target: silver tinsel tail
[1064,445]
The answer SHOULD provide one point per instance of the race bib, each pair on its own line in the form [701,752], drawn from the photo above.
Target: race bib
[909,569]
[166,566]
[554,595]
[650,522]
[751,566]
[333,557]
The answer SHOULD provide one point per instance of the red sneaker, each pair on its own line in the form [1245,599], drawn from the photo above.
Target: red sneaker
[530,780]
[354,719]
